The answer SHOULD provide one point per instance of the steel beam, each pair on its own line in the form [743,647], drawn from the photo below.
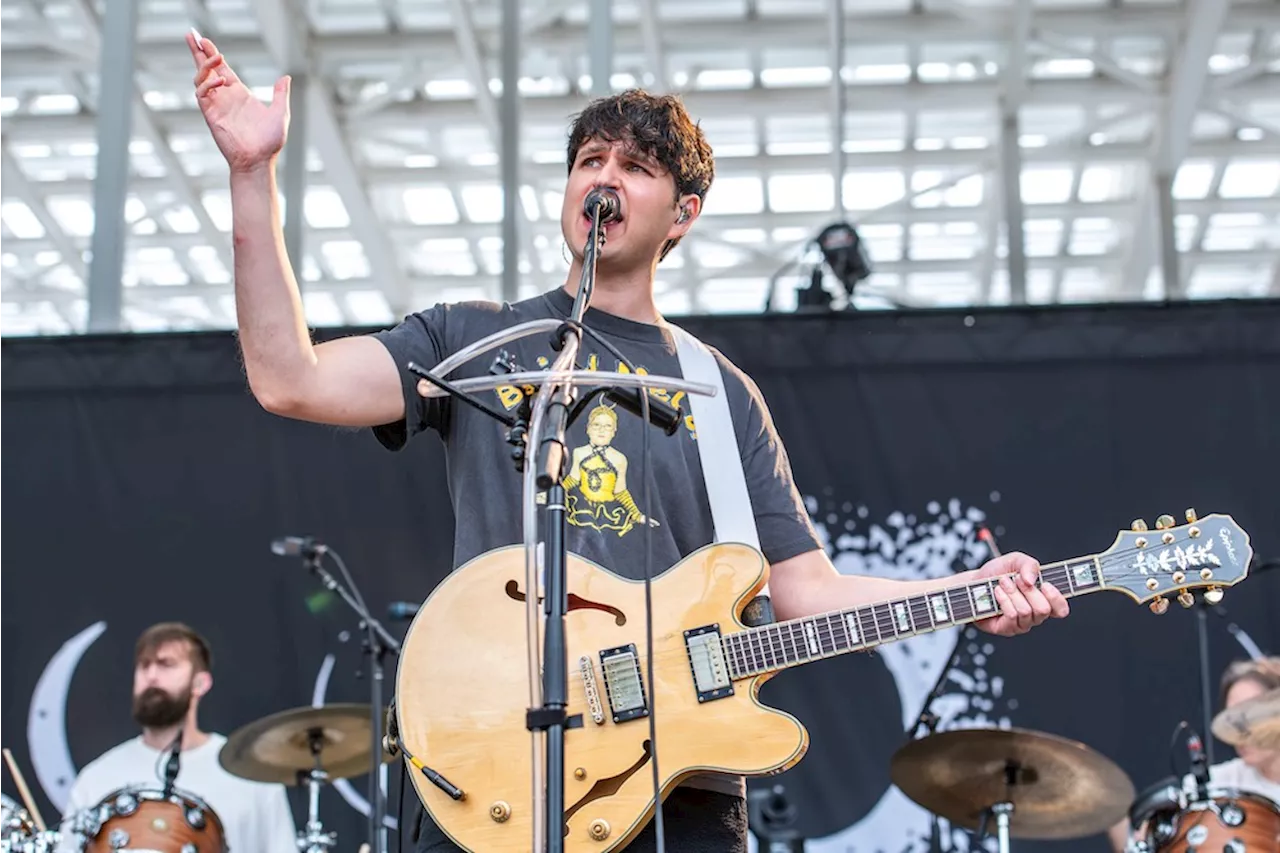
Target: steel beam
[287,43]
[1184,90]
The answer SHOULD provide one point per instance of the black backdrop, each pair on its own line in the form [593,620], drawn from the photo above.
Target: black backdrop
[143,483]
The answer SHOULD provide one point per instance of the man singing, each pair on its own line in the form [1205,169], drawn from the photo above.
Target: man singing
[659,164]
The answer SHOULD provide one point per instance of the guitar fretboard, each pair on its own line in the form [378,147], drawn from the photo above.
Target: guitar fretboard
[782,644]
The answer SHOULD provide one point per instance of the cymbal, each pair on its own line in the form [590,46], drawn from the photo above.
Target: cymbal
[1252,723]
[277,748]
[1062,788]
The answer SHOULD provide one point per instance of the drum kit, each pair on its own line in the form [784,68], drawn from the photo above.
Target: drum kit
[304,747]
[1035,785]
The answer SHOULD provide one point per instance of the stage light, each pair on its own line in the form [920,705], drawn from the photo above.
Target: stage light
[845,254]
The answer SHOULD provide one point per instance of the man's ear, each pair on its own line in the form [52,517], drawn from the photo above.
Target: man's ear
[688,208]
[201,684]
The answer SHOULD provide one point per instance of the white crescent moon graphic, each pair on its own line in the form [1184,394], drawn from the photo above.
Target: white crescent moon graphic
[47,717]
[344,787]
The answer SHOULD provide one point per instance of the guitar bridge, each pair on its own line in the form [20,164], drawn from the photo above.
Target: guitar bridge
[706,659]
[623,684]
[588,670]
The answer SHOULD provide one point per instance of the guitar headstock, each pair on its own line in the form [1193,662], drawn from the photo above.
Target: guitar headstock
[1207,553]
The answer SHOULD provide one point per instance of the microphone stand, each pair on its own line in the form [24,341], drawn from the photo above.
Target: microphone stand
[377,645]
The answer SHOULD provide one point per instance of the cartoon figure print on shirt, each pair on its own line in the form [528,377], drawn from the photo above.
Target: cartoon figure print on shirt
[596,486]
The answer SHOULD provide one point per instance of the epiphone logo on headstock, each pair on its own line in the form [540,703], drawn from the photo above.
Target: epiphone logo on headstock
[1228,547]
[1169,559]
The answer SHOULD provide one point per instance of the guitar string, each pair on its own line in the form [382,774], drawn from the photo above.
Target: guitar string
[884,622]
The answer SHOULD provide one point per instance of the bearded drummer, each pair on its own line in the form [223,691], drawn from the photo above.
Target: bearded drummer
[1255,770]
[173,671]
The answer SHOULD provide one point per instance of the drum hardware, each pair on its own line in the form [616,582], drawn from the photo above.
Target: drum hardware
[22,829]
[1030,784]
[140,818]
[1167,818]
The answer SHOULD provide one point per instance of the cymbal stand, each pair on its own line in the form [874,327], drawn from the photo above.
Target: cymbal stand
[1002,811]
[314,839]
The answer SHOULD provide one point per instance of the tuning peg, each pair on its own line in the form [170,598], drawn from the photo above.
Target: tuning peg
[1164,521]
[1213,595]
[1191,516]
[1159,606]
[1186,599]
[1138,525]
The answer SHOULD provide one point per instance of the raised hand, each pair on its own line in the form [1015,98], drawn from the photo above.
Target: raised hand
[249,133]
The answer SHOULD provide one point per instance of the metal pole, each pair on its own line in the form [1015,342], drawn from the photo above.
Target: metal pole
[600,46]
[111,183]
[295,173]
[509,149]
[836,9]
[1162,185]
[1011,180]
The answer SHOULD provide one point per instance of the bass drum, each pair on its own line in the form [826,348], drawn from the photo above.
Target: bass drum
[1170,821]
[141,819]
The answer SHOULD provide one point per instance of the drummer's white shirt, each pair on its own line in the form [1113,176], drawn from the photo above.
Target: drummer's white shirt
[1236,774]
[255,816]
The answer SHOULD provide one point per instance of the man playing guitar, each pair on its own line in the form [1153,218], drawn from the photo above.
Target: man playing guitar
[658,162]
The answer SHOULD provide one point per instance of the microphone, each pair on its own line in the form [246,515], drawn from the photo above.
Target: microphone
[606,199]
[662,415]
[298,546]
[402,609]
[1199,765]
[174,764]
[985,535]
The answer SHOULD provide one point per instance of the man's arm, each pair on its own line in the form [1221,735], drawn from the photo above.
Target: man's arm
[809,584]
[350,382]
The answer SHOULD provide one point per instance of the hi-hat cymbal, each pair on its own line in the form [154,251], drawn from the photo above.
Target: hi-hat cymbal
[279,747]
[1061,788]
[1253,723]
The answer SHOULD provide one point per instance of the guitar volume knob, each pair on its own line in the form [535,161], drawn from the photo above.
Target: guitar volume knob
[500,811]
[599,829]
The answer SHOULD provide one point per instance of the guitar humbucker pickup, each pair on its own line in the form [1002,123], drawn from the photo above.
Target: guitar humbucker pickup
[623,683]
[706,660]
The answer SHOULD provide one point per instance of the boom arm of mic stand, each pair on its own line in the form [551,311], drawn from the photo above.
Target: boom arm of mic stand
[313,564]
[378,643]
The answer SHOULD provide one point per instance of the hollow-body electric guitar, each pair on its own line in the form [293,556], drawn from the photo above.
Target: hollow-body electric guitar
[462,688]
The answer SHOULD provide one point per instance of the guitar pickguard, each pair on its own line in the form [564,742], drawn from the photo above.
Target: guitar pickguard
[576,602]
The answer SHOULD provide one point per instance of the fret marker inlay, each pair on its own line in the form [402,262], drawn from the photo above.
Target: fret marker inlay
[940,612]
[982,601]
[811,637]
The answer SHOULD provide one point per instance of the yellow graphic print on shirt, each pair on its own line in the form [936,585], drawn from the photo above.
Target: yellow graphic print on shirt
[596,488]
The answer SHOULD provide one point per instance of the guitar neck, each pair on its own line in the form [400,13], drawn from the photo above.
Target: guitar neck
[779,645]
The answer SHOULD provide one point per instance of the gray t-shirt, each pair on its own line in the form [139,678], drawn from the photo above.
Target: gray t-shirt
[604,486]
[605,496]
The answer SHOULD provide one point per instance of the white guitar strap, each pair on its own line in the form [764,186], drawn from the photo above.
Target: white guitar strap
[726,482]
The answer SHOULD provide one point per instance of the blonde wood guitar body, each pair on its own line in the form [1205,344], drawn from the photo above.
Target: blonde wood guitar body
[462,694]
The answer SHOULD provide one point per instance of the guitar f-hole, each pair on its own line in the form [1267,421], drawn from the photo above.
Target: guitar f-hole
[576,602]
[608,787]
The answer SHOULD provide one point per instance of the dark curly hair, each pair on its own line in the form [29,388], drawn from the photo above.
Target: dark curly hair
[658,126]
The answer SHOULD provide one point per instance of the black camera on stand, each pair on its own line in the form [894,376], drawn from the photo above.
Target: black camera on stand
[772,817]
